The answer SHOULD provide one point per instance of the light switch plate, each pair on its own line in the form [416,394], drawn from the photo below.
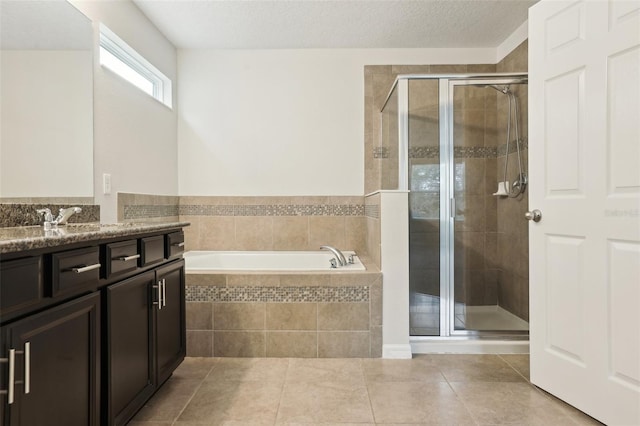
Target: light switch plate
[106,183]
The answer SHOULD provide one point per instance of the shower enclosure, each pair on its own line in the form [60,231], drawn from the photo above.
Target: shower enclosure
[458,144]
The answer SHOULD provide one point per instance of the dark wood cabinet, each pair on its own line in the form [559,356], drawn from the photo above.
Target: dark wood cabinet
[55,361]
[90,330]
[170,337]
[146,337]
[130,369]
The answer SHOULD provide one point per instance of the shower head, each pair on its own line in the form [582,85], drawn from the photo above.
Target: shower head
[504,89]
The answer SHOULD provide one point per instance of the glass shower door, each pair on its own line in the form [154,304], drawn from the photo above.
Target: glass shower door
[424,207]
[479,278]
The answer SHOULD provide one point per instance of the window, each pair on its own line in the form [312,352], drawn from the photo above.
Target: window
[120,58]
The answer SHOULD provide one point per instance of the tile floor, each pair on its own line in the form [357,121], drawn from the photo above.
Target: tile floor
[427,390]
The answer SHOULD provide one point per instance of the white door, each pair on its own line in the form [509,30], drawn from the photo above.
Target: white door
[584,163]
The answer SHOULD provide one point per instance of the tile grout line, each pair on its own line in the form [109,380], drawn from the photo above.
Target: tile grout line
[284,383]
[366,386]
[476,421]
[194,393]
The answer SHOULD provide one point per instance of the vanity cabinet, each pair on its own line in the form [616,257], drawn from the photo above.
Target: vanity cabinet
[89,331]
[52,374]
[146,337]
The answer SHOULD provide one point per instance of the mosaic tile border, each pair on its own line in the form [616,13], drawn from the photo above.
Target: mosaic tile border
[380,152]
[277,294]
[141,211]
[274,210]
[14,214]
[502,149]
[467,151]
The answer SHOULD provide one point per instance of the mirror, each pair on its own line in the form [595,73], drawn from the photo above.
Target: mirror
[46,115]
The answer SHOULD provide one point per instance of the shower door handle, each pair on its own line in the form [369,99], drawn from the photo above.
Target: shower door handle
[534,215]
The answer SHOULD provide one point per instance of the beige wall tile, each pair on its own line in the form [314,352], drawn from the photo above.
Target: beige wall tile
[293,344]
[343,316]
[199,343]
[306,280]
[199,315]
[292,316]
[191,233]
[290,233]
[253,280]
[211,280]
[355,233]
[326,230]
[353,279]
[376,342]
[254,233]
[217,233]
[375,303]
[343,344]
[238,316]
[239,343]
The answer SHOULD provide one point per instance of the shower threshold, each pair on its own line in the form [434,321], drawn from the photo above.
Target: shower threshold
[465,345]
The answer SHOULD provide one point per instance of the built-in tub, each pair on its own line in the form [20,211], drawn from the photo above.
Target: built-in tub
[206,262]
[281,304]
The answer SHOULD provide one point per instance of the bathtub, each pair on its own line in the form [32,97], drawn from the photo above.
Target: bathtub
[204,262]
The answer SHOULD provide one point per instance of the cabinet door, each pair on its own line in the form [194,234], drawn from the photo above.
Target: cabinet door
[130,367]
[57,364]
[170,320]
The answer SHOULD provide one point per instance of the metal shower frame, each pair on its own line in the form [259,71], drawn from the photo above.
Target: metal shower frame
[447,83]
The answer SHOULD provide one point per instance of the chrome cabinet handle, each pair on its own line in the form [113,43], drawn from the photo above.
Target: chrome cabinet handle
[178,244]
[27,367]
[81,269]
[164,293]
[128,258]
[534,215]
[11,383]
[12,375]
[159,294]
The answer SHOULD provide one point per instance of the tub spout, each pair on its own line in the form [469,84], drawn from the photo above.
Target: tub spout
[342,261]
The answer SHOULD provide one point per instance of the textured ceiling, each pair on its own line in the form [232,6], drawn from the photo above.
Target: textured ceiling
[44,24]
[269,24]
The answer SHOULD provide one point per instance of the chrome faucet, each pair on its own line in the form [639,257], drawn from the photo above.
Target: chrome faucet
[342,261]
[63,216]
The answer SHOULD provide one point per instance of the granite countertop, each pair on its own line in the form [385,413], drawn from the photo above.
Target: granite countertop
[32,237]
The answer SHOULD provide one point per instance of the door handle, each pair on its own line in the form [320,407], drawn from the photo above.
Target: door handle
[534,215]
[159,295]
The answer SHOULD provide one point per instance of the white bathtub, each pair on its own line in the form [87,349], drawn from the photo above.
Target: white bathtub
[202,262]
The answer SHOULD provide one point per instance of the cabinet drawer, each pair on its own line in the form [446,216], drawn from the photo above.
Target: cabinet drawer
[74,271]
[121,257]
[175,244]
[151,250]
[20,284]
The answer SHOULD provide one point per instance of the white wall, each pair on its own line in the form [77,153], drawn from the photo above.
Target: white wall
[134,135]
[282,122]
[46,144]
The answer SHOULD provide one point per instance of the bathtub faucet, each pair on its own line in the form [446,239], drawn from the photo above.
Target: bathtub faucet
[342,261]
